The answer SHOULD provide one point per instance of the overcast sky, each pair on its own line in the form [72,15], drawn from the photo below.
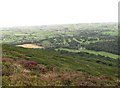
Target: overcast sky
[44,12]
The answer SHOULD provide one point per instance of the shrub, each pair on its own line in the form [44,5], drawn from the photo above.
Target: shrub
[7,69]
[29,64]
[7,60]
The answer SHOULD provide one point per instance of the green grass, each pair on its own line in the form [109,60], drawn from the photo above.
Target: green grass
[102,53]
[63,61]
[113,33]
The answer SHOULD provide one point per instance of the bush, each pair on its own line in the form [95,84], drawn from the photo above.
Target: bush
[29,64]
[8,69]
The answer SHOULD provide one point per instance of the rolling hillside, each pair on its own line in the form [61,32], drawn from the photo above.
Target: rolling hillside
[61,55]
[19,61]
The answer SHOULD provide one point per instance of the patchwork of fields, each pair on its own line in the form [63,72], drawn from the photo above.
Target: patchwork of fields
[61,55]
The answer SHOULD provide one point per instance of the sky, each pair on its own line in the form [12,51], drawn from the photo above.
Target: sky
[47,12]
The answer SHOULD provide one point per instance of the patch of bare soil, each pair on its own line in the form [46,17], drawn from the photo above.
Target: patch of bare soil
[30,46]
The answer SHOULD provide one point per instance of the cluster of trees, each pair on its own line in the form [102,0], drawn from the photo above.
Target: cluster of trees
[110,46]
[97,43]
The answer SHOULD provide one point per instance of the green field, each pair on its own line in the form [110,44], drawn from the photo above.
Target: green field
[102,53]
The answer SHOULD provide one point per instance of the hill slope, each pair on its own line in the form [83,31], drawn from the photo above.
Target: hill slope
[48,67]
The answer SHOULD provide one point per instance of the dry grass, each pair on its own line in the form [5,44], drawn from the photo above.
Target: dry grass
[16,73]
[30,46]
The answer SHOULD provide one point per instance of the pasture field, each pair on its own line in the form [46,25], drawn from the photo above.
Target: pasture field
[102,53]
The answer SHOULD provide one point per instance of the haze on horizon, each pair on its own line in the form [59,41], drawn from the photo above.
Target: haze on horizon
[47,12]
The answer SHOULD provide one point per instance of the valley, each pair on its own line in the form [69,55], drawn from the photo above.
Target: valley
[61,55]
